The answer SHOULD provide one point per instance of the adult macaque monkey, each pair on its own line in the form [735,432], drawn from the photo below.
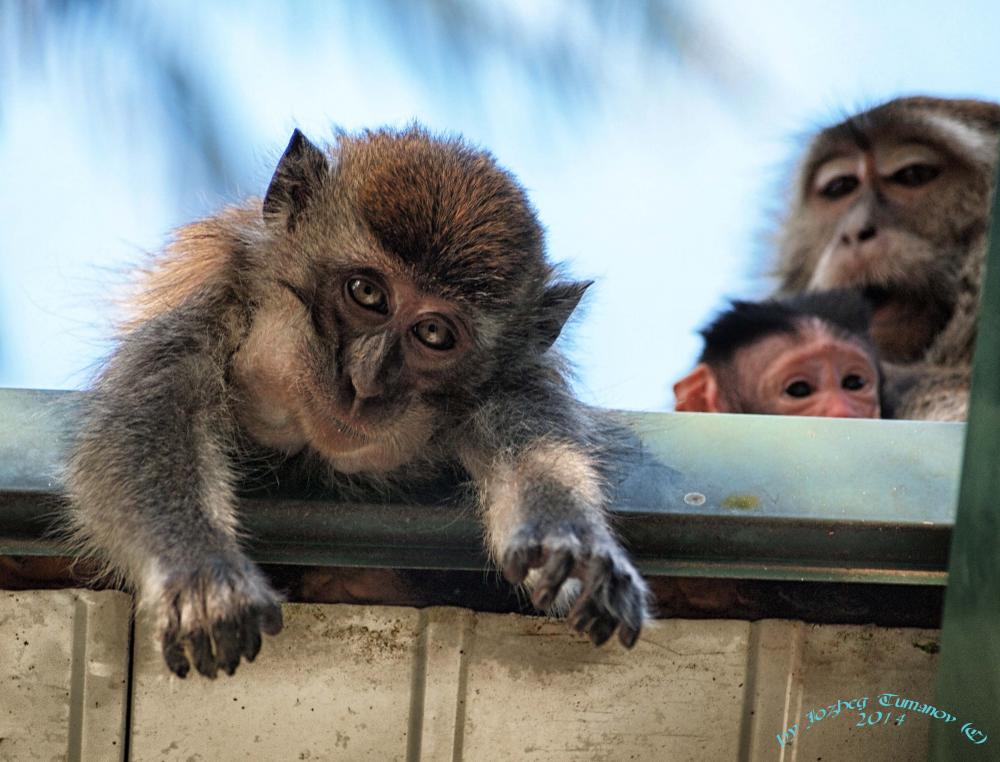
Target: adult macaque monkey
[895,200]
[805,355]
[385,312]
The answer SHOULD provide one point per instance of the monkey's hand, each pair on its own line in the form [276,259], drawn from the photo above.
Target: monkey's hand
[548,555]
[214,615]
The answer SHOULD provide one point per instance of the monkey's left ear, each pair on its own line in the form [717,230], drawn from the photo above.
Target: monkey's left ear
[698,392]
[299,174]
[557,305]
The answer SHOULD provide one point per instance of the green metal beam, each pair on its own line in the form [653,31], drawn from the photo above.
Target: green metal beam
[708,495]
[969,672]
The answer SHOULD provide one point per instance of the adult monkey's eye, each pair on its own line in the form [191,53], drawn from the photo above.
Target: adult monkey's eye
[434,333]
[852,383]
[368,295]
[839,187]
[798,389]
[915,175]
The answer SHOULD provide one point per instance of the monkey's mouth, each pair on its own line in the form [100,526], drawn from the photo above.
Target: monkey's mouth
[346,429]
[335,430]
[877,296]
[885,299]
[888,298]
[904,322]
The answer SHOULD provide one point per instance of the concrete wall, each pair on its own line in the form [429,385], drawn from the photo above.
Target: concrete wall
[381,683]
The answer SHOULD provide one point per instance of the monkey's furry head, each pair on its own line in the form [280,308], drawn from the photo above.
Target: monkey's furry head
[455,219]
[845,311]
[895,200]
[420,264]
[437,209]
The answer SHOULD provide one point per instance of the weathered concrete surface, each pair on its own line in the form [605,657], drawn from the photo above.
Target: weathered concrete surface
[354,683]
[335,684]
[796,669]
[63,673]
[535,692]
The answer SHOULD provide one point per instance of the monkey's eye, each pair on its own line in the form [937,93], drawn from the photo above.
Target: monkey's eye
[915,175]
[368,295]
[434,333]
[798,389]
[839,187]
[852,383]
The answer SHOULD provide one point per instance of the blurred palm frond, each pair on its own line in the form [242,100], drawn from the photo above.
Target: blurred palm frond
[565,49]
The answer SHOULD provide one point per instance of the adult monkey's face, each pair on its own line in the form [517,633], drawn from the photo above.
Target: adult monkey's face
[894,200]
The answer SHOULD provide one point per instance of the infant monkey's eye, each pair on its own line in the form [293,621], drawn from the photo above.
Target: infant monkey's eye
[798,389]
[368,295]
[852,383]
[434,333]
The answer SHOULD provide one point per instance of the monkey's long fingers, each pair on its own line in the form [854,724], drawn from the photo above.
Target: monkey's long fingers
[250,637]
[201,653]
[628,600]
[270,619]
[267,619]
[519,560]
[628,636]
[587,616]
[581,617]
[173,653]
[556,570]
[612,598]
[228,645]
[173,644]
[602,629]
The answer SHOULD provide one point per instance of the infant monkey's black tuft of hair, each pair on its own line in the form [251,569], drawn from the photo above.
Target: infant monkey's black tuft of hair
[847,311]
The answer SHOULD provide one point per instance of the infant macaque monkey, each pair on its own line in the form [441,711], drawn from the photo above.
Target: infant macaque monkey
[811,354]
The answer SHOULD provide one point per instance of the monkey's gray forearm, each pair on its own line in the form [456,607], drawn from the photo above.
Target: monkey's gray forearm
[544,514]
[550,479]
[151,493]
[149,478]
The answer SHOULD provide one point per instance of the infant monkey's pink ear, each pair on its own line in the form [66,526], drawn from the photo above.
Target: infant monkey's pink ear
[698,392]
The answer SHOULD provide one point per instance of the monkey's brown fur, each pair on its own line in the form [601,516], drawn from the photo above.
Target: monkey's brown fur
[387,313]
[896,200]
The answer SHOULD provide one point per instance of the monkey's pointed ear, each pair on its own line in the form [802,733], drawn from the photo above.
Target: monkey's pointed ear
[558,303]
[299,174]
[698,392]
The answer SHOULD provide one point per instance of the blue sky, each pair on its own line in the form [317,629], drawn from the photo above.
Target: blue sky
[663,189]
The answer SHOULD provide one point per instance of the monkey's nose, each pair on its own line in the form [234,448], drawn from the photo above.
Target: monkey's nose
[362,391]
[365,389]
[840,405]
[866,233]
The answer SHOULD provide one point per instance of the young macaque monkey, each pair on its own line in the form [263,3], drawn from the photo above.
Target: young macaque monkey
[386,312]
[808,355]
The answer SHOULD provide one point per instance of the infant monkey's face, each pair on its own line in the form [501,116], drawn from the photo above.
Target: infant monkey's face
[810,372]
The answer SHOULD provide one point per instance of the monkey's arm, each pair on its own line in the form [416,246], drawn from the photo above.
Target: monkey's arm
[542,481]
[151,490]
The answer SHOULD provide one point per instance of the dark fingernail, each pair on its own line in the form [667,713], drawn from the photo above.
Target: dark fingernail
[628,636]
[271,621]
[542,598]
[251,642]
[601,631]
[173,655]
[201,650]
